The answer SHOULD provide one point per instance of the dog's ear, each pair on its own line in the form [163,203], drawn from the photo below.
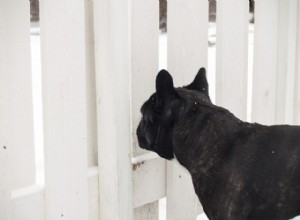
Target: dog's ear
[200,82]
[164,84]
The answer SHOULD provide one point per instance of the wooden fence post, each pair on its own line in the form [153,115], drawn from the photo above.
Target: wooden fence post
[16,111]
[16,91]
[291,60]
[187,52]
[112,59]
[296,113]
[65,112]
[148,174]
[265,61]
[286,60]
[232,56]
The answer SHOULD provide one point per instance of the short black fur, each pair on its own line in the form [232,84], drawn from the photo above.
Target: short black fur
[239,170]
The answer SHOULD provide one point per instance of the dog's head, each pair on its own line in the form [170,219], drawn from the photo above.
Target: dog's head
[163,109]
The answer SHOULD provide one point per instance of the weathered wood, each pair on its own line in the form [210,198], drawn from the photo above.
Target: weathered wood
[148,181]
[65,113]
[112,59]
[147,212]
[232,56]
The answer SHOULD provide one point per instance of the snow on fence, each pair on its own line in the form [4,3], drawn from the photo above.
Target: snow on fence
[99,62]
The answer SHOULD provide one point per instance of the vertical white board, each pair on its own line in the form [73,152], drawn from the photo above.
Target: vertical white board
[187,52]
[291,60]
[16,110]
[265,61]
[232,56]
[287,37]
[296,113]
[182,202]
[282,64]
[144,67]
[64,105]
[144,57]
[187,39]
[112,59]
[5,183]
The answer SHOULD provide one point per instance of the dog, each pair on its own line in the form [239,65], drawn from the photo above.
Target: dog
[239,170]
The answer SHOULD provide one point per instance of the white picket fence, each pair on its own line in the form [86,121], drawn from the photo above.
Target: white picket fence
[99,62]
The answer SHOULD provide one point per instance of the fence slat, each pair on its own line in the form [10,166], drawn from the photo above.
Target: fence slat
[296,113]
[16,110]
[64,105]
[265,61]
[112,59]
[187,52]
[182,202]
[287,37]
[232,56]
[144,67]
[187,38]
[5,183]
[291,61]
[144,57]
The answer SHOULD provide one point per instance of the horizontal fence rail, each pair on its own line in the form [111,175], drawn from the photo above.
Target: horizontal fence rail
[99,63]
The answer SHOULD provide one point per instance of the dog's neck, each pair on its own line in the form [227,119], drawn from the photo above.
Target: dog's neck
[210,128]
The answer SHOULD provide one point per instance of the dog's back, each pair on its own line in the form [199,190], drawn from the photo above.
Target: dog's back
[268,166]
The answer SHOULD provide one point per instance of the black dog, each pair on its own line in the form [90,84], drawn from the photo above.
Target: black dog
[239,170]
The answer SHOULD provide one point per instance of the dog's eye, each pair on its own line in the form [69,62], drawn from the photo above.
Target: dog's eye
[153,100]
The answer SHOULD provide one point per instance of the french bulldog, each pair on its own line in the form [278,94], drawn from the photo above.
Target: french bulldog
[239,170]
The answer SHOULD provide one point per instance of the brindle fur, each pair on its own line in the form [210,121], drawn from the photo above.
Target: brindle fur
[239,170]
